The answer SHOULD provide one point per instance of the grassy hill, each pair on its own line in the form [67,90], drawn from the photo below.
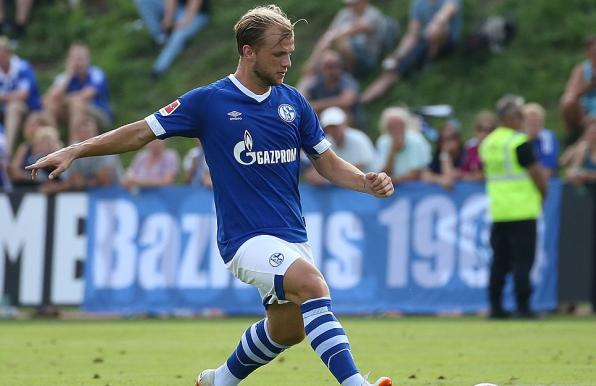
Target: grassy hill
[536,64]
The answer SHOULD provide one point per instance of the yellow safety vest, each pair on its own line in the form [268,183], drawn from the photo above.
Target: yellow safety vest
[512,194]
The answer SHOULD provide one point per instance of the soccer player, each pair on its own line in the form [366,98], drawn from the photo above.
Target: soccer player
[252,127]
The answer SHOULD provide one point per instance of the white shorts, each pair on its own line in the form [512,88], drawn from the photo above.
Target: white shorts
[262,261]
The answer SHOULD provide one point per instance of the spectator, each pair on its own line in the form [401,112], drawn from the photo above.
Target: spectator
[433,31]
[544,141]
[471,168]
[196,170]
[18,91]
[90,172]
[583,166]
[356,33]
[445,167]
[350,144]
[155,166]
[332,86]
[46,140]
[21,18]
[579,98]
[403,152]
[172,23]
[16,170]
[79,91]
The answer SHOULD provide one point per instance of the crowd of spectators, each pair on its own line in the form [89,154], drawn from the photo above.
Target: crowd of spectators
[350,50]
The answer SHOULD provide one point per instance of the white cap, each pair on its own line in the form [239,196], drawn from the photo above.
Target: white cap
[333,116]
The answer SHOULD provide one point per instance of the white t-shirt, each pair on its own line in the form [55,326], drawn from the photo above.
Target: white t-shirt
[357,149]
[415,153]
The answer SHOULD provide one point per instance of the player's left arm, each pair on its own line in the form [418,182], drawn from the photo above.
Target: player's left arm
[344,174]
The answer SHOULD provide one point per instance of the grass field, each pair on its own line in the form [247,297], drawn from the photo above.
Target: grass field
[414,351]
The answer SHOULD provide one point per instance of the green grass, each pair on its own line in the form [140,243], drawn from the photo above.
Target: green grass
[414,351]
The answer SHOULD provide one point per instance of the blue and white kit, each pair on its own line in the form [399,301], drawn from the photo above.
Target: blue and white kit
[252,146]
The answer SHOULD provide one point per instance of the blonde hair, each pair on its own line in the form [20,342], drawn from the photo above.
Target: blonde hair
[534,108]
[250,29]
[46,133]
[398,112]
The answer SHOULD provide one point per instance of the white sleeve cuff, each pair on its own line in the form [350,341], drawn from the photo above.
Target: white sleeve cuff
[155,126]
[322,146]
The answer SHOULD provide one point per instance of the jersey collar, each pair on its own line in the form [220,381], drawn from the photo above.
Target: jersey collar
[258,97]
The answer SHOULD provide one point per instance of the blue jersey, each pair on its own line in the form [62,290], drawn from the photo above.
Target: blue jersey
[21,77]
[96,79]
[252,146]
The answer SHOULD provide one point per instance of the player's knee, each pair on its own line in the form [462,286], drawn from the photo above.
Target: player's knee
[312,286]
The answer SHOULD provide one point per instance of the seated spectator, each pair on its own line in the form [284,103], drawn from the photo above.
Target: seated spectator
[579,99]
[18,91]
[350,144]
[16,30]
[471,167]
[356,33]
[544,141]
[332,86]
[583,166]
[155,166]
[403,152]
[79,91]
[23,155]
[196,170]
[89,172]
[46,140]
[172,23]
[433,31]
[445,166]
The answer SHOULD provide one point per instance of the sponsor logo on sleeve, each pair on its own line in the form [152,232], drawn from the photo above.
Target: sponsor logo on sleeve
[169,109]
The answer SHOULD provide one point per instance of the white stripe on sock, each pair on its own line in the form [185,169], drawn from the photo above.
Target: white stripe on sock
[323,328]
[334,341]
[249,353]
[259,344]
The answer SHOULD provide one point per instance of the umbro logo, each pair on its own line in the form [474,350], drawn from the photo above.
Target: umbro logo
[235,115]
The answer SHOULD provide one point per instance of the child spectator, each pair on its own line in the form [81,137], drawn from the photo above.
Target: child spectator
[544,141]
[46,140]
[445,167]
[18,91]
[79,91]
[172,23]
[155,166]
[433,31]
[403,152]
[471,168]
[24,153]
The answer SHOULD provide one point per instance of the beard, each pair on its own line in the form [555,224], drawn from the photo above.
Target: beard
[265,78]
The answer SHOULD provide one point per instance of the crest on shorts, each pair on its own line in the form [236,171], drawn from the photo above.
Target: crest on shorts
[276,259]
[169,109]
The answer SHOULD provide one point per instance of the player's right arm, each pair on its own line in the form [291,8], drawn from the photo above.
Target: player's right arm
[121,140]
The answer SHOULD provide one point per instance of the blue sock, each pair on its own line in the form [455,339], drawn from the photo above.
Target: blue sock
[328,338]
[256,348]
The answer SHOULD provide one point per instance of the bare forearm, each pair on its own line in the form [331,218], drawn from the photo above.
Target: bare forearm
[340,172]
[121,140]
